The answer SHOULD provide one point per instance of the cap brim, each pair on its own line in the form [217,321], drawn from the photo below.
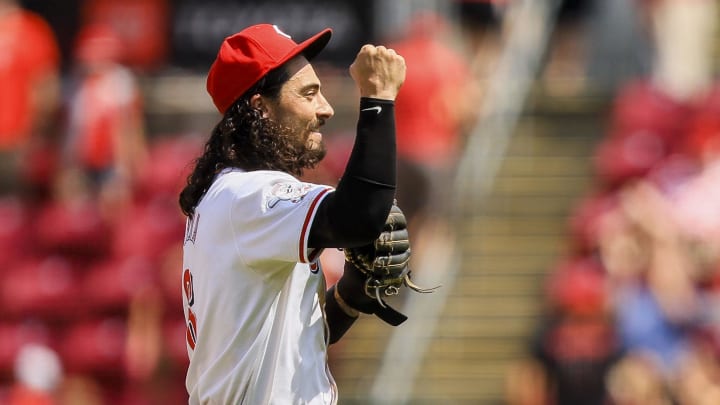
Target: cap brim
[311,47]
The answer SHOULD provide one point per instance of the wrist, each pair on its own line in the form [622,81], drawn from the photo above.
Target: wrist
[369,101]
[344,306]
[338,320]
[378,89]
[390,96]
[351,289]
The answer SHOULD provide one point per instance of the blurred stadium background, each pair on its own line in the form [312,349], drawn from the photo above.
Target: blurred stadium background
[556,162]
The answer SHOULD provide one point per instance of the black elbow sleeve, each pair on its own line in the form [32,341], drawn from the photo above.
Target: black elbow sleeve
[355,213]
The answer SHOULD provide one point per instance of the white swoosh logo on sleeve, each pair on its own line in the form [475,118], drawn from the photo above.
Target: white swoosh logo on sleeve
[377,109]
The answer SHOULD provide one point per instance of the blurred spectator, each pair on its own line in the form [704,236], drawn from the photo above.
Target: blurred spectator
[29,63]
[646,127]
[105,143]
[435,110]
[141,26]
[565,70]
[618,46]
[438,103]
[683,33]
[697,377]
[14,336]
[38,374]
[694,197]
[658,309]
[652,224]
[80,390]
[480,25]
[659,157]
[637,380]
[586,221]
[653,116]
[575,347]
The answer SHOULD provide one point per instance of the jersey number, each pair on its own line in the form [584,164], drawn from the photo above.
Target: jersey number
[191,323]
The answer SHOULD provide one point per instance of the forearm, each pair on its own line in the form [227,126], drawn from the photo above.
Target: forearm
[374,153]
[355,213]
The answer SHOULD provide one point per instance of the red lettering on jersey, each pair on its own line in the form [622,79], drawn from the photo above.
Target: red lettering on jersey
[191,334]
[188,286]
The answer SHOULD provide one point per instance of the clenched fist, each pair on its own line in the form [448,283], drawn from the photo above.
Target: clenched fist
[378,72]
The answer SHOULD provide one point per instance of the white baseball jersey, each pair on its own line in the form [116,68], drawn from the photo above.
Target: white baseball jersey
[253,294]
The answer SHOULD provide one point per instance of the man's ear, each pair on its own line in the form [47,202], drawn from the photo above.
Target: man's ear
[258,102]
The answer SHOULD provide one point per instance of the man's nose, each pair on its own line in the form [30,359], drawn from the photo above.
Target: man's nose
[325,110]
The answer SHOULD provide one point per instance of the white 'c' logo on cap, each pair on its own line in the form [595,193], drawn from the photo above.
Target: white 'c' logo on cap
[279,31]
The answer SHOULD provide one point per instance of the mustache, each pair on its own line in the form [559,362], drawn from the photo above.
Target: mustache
[317,124]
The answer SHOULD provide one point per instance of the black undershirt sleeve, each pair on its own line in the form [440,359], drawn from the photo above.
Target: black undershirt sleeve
[355,212]
[338,321]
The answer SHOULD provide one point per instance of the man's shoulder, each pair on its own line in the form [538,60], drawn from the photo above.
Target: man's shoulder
[252,179]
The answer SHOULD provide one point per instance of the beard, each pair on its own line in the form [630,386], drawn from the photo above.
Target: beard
[310,156]
[310,153]
[284,149]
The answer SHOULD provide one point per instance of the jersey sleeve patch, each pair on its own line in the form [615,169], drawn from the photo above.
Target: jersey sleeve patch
[292,192]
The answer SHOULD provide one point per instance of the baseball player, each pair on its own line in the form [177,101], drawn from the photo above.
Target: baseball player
[258,313]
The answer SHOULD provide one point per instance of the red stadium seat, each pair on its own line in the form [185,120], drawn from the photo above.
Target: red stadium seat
[14,231]
[44,287]
[109,286]
[150,229]
[74,229]
[170,162]
[96,347]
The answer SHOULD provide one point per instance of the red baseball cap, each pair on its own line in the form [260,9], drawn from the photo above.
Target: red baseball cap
[245,57]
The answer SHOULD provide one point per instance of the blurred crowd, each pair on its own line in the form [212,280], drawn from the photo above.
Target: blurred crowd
[631,313]
[91,232]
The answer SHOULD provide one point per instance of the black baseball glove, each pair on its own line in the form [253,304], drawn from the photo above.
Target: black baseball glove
[379,269]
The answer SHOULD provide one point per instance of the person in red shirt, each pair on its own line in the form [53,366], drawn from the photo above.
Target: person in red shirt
[105,143]
[29,73]
[434,114]
[440,95]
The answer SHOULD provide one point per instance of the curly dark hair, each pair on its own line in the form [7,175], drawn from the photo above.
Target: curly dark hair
[246,140]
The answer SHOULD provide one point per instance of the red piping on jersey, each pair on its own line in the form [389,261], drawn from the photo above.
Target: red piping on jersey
[310,214]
